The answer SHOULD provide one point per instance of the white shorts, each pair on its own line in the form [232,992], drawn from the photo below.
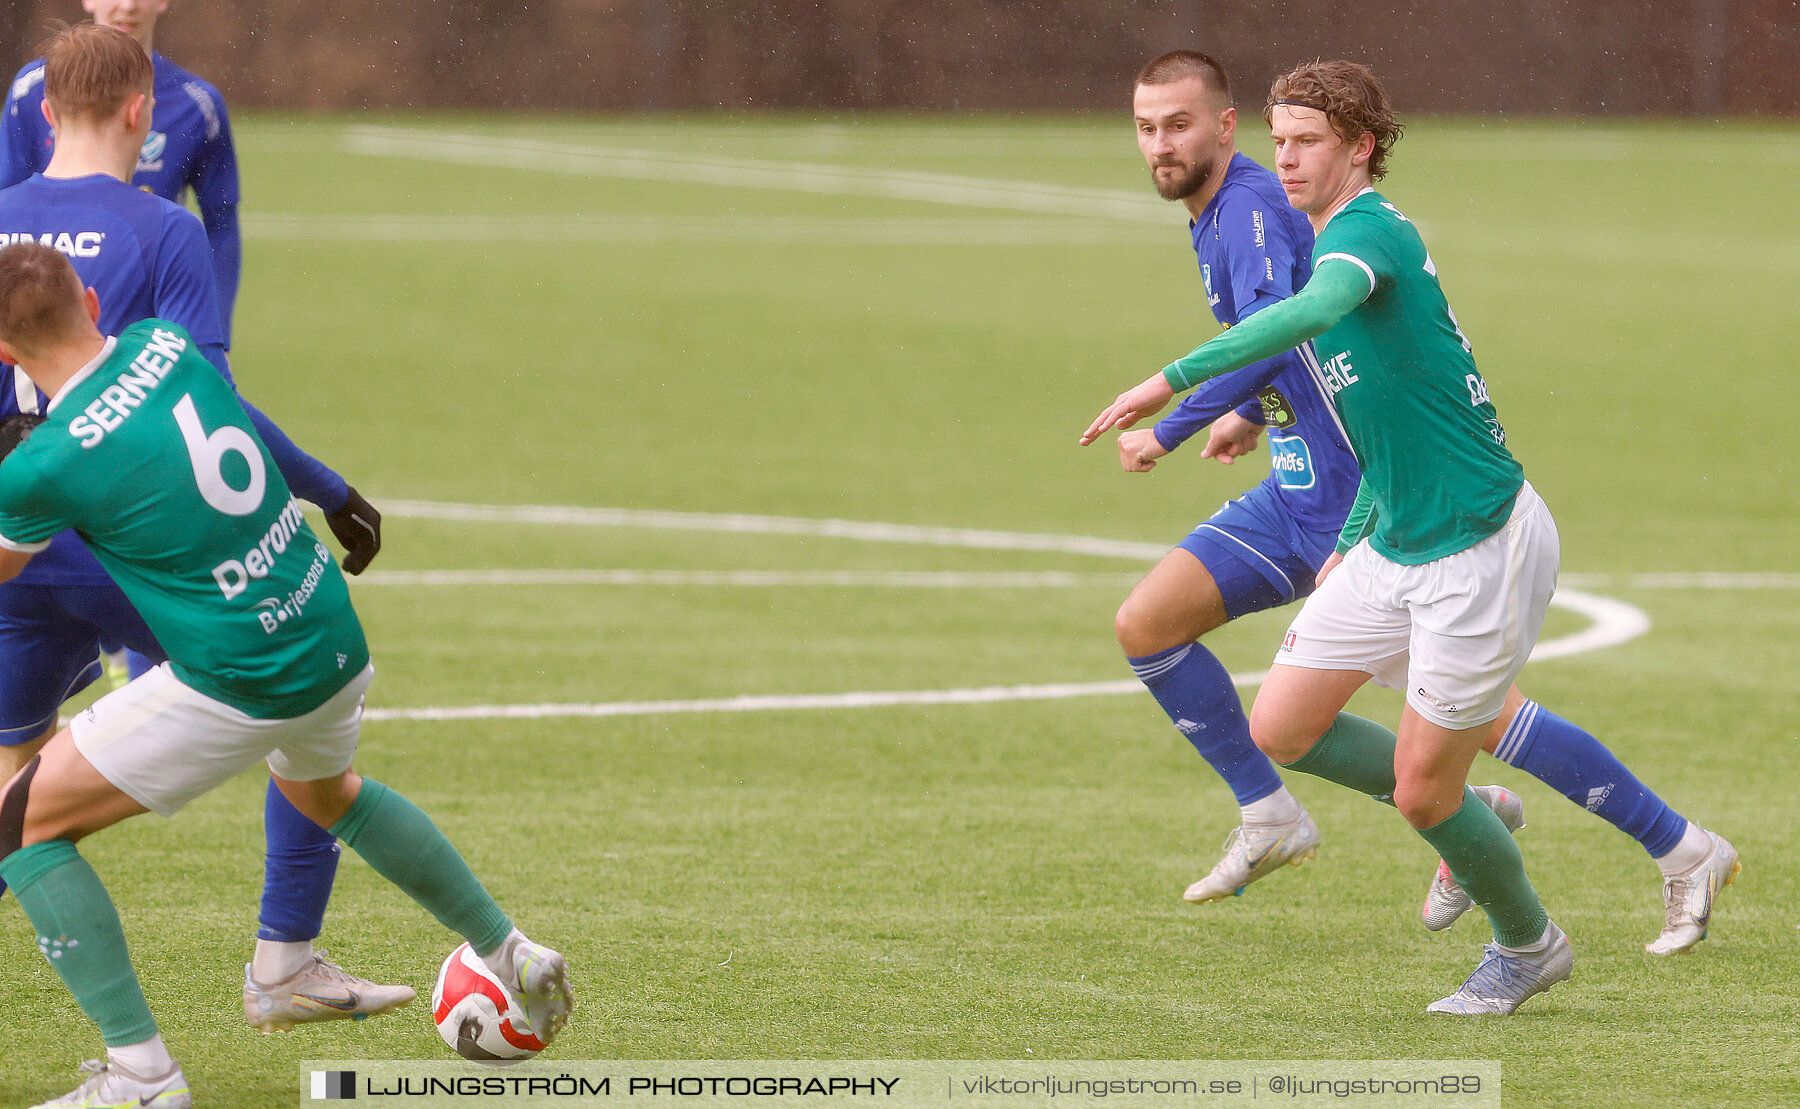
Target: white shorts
[163,743]
[1453,633]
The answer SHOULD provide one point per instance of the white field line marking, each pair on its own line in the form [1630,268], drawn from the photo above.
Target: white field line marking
[928,579]
[980,231]
[1614,622]
[769,703]
[572,516]
[957,579]
[649,165]
[1685,581]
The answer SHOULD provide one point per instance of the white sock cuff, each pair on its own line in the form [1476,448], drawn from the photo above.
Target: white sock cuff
[146,1059]
[277,961]
[1695,848]
[1277,808]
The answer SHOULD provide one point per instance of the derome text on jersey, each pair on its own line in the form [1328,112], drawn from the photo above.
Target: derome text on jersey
[119,400]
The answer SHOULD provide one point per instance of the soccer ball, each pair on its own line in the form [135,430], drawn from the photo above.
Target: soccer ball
[478,1015]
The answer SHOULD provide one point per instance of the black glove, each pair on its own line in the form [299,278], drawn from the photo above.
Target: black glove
[358,527]
[15,429]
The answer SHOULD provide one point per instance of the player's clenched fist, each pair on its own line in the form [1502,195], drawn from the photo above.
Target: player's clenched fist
[1139,449]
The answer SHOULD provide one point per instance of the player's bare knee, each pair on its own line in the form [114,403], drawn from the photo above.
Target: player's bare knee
[1285,740]
[1135,626]
[1145,628]
[323,801]
[1422,803]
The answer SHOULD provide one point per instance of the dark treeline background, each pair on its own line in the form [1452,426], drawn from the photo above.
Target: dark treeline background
[1665,57]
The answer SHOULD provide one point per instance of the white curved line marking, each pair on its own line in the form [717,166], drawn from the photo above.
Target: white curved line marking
[1613,622]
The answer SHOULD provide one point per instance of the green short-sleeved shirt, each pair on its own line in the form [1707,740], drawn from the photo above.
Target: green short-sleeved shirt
[1414,406]
[148,455]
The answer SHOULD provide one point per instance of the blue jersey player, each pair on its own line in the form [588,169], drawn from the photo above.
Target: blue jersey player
[188,147]
[1265,548]
[146,256]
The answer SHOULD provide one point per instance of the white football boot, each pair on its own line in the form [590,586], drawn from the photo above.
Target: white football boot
[1689,897]
[542,977]
[110,1086]
[1446,901]
[1254,851]
[321,991]
[1505,979]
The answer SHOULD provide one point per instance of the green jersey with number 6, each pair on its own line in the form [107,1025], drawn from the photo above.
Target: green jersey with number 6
[1414,407]
[148,455]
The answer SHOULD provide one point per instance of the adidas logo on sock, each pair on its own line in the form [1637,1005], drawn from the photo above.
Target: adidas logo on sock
[1597,797]
[1189,727]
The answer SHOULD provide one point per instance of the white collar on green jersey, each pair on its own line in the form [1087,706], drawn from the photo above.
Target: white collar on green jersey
[82,374]
[1346,204]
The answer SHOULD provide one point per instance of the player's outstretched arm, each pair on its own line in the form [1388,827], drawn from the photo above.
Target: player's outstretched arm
[358,527]
[353,520]
[1335,290]
[1236,390]
[227,245]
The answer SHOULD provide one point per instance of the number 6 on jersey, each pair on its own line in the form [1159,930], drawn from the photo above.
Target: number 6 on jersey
[207,453]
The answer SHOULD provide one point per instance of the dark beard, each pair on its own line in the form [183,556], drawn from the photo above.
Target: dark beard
[1183,185]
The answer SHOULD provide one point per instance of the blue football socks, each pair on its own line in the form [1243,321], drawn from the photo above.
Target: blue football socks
[1579,767]
[298,871]
[1194,689]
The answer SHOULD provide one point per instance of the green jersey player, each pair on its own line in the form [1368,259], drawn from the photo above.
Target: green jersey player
[1446,564]
[146,452]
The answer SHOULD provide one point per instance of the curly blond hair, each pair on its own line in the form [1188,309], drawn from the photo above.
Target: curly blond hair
[1352,98]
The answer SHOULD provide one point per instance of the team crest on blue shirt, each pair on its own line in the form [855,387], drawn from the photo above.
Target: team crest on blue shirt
[150,157]
[1206,280]
[1278,411]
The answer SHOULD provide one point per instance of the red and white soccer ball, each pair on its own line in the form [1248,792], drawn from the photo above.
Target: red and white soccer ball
[477,1015]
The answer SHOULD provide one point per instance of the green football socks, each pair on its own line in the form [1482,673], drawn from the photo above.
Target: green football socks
[1481,853]
[1353,752]
[1486,863]
[78,930]
[406,848]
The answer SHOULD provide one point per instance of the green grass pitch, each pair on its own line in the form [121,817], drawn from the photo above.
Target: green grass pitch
[838,319]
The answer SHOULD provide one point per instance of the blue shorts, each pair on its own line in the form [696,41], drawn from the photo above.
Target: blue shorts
[49,648]
[1260,556]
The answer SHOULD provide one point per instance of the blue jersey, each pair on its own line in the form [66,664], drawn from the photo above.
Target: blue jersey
[1254,249]
[189,147]
[145,256]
